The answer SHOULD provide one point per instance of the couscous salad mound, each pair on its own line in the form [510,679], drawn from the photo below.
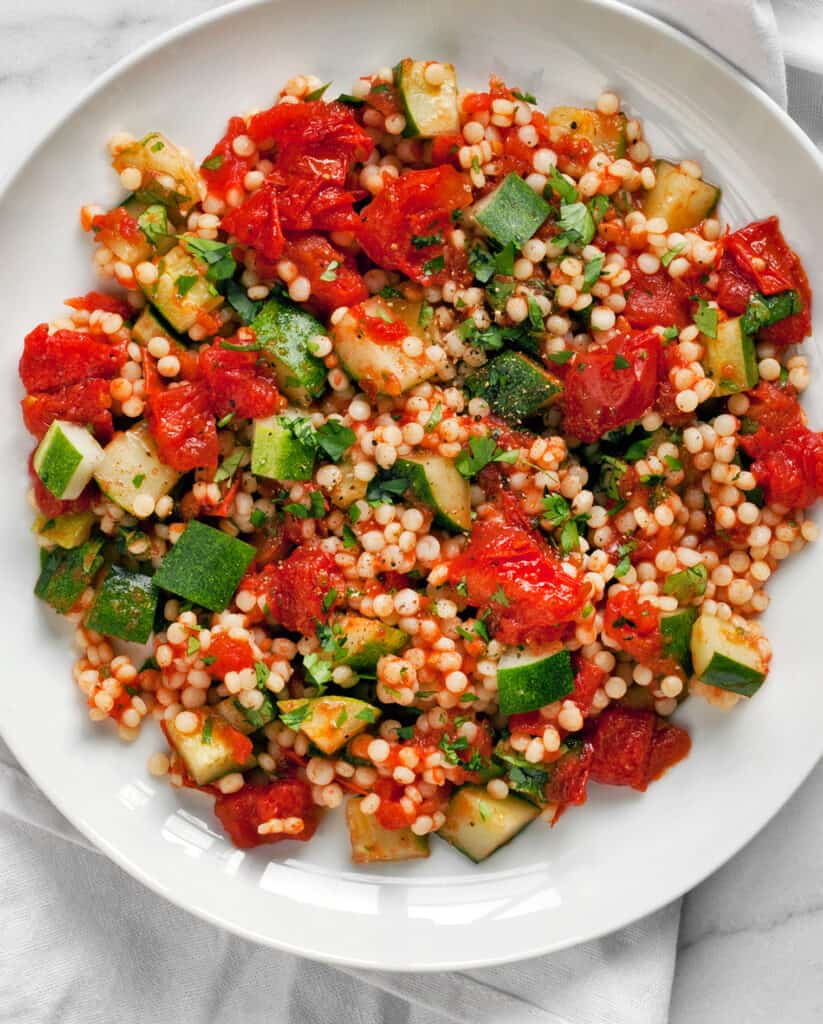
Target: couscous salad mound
[434,447]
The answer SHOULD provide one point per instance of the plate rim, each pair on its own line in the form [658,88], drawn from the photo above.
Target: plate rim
[122,859]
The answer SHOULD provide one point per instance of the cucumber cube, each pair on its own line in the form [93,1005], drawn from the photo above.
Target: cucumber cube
[527,681]
[366,641]
[132,466]
[204,566]
[247,720]
[727,656]
[66,459]
[284,332]
[68,531]
[65,574]
[125,606]
[511,213]
[731,358]
[277,454]
[515,387]
[372,844]
[476,824]
[430,110]
[436,482]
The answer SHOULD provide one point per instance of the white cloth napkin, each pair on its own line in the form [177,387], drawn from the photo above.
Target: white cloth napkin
[82,942]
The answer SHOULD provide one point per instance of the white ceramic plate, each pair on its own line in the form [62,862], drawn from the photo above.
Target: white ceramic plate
[622,855]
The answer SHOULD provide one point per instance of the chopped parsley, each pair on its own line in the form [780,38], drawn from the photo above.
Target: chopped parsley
[504,260]
[424,317]
[224,421]
[674,464]
[297,716]
[349,538]
[335,439]
[535,313]
[434,419]
[216,255]
[705,319]
[213,163]
[257,518]
[239,301]
[261,674]
[483,810]
[315,509]
[451,747]
[330,273]
[329,599]
[638,449]
[317,93]
[482,263]
[576,224]
[229,466]
[591,272]
[499,597]
[564,188]
[424,241]
[318,670]
[670,333]
[526,97]
[561,357]
[624,562]
[367,714]
[434,266]
[385,488]
[670,254]
[154,223]
[192,645]
[184,284]
[482,451]
[558,513]
[621,363]
[138,480]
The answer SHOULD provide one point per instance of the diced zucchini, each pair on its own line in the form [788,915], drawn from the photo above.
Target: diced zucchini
[381,364]
[727,656]
[731,358]
[132,466]
[68,531]
[476,824]
[329,722]
[682,200]
[130,246]
[436,482]
[676,628]
[429,109]
[66,459]
[125,606]
[65,574]
[278,454]
[372,844]
[212,750]
[348,488]
[765,310]
[204,566]
[181,292]
[511,213]
[366,641]
[514,386]
[149,325]
[285,330]
[606,132]
[244,719]
[687,584]
[527,680]
[170,177]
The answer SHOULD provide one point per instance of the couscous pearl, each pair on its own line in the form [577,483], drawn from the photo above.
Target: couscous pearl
[300,289]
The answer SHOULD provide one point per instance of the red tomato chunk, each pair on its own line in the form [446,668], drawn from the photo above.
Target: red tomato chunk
[296,587]
[657,299]
[182,423]
[609,387]
[622,743]
[89,402]
[239,383]
[669,745]
[538,594]
[51,361]
[334,278]
[242,813]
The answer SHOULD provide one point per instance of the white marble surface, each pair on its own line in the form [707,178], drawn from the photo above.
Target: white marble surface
[751,940]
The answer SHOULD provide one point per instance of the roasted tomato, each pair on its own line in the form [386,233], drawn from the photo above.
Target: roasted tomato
[587,679]
[634,625]
[181,421]
[239,383]
[609,387]
[297,586]
[670,744]
[334,278]
[518,580]
[622,742]
[51,361]
[657,299]
[405,226]
[241,814]
[88,403]
[223,169]
[256,223]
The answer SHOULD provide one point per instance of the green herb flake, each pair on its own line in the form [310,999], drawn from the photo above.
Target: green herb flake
[675,465]
[705,319]
[297,716]
[335,439]
[562,357]
[138,480]
[213,163]
[229,466]
[564,188]
[205,735]
[535,313]
[330,273]
[434,266]
[504,260]
[670,254]
[245,308]
[424,241]
[434,419]
[483,810]
[367,714]
[341,719]
[316,94]
[154,224]
[591,272]
[349,538]
[499,597]
[328,599]
[216,255]
[261,674]
[621,363]
[224,421]
[192,645]
[670,333]
[318,670]
[482,451]
[258,518]
[576,224]
[184,284]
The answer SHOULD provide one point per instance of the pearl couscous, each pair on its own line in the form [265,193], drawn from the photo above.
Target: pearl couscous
[436,447]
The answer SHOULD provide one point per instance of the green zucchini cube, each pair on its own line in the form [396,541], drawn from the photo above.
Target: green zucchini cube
[66,459]
[527,681]
[65,574]
[727,656]
[125,606]
[430,110]
[278,454]
[511,213]
[284,332]
[515,387]
[204,566]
